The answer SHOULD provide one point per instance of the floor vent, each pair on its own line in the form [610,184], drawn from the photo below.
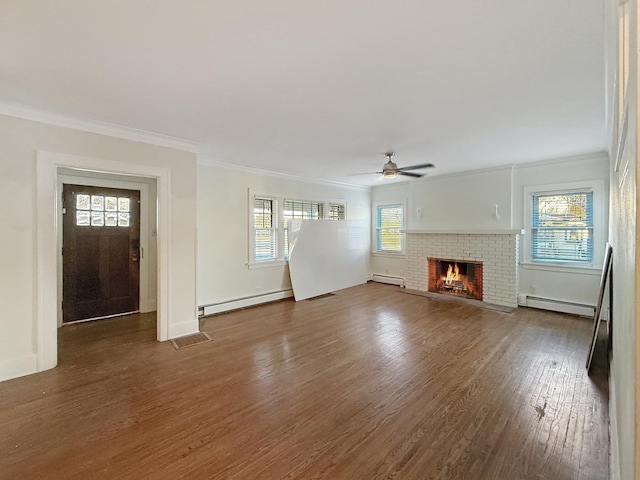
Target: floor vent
[191,340]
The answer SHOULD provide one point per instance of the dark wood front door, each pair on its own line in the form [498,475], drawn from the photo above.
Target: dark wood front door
[101,246]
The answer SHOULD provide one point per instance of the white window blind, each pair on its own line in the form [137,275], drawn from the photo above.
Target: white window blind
[299,209]
[337,211]
[265,229]
[389,223]
[562,227]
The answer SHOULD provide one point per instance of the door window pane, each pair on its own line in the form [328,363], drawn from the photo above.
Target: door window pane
[82,202]
[102,211]
[97,202]
[111,219]
[97,219]
[83,219]
[123,219]
[123,204]
[110,204]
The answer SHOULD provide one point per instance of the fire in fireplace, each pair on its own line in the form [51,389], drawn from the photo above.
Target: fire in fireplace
[455,277]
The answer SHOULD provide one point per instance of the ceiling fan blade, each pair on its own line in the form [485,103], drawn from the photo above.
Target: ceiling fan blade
[416,167]
[362,173]
[416,175]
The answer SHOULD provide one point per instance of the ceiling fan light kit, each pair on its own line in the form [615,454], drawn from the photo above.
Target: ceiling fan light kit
[390,169]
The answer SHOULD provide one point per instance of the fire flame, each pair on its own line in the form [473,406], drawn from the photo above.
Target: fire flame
[453,274]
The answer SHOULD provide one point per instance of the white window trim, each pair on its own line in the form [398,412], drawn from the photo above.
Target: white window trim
[374,229]
[337,201]
[376,253]
[272,262]
[600,226]
[280,198]
[266,263]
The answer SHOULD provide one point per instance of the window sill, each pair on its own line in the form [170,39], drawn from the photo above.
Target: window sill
[564,268]
[389,254]
[267,264]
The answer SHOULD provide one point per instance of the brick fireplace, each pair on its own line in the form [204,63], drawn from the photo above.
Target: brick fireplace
[455,277]
[495,251]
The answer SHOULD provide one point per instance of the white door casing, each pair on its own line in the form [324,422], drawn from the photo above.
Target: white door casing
[48,199]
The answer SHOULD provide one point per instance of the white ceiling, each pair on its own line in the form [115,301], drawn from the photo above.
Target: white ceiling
[323,88]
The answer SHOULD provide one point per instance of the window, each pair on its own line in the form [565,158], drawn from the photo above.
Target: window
[265,229]
[389,223]
[562,227]
[299,209]
[269,217]
[337,211]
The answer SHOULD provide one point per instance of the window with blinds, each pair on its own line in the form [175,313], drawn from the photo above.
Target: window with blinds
[562,227]
[265,229]
[299,209]
[389,223]
[337,211]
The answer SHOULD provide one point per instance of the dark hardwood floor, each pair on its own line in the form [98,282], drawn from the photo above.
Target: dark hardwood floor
[369,383]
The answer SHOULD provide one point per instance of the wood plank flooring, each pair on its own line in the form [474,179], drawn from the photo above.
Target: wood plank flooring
[369,383]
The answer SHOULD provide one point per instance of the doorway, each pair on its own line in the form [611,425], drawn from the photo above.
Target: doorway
[49,166]
[101,252]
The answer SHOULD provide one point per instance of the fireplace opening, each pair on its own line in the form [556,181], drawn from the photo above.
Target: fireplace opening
[455,277]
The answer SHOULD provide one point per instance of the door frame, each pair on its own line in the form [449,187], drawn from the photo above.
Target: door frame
[146,304]
[48,200]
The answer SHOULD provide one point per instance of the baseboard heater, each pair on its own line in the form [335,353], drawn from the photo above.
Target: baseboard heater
[558,305]
[390,279]
[243,302]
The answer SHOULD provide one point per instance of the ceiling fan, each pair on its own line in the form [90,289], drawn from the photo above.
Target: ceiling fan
[391,170]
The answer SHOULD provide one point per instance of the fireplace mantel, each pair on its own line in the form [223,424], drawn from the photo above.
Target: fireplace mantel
[468,232]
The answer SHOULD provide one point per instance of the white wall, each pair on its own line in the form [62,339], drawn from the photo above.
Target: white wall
[223,229]
[467,201]
[19,142]
[464,201]
[577,285]
[624,369]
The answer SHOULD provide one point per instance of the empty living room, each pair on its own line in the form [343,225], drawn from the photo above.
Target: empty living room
[357,240]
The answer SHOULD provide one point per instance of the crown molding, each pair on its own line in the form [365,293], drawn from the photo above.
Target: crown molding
[207,160]
[93,126]
[598,155]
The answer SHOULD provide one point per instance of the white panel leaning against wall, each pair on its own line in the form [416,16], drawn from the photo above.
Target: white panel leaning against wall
[268,223]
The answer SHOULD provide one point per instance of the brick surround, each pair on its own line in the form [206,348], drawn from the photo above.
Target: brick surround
[498,253]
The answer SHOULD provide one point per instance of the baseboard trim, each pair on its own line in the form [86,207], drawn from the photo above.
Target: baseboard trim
[557,305]
[149,306]
[18,367]
[389,279]
[181,329]
[243,302]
